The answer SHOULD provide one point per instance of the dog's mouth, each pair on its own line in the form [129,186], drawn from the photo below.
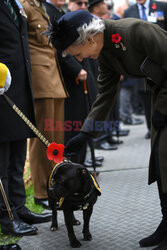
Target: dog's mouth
[58,194]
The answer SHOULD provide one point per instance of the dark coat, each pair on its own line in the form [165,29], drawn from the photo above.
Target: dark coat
[141,39]
[14,52]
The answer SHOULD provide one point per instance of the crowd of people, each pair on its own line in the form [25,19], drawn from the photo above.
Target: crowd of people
[54,81]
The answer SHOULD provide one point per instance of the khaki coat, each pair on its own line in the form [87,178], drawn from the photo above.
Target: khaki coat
[46,76]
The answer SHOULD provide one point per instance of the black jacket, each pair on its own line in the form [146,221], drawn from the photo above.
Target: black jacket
[14,52]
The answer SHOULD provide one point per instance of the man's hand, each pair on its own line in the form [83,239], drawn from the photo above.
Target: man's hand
[159,120]
[75,144]
[5,78]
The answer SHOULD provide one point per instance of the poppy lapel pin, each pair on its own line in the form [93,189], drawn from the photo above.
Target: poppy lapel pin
[117,40]
[154,6]
[55,152]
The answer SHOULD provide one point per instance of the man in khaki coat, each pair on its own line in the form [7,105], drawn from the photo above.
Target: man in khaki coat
[133,48]
[49,93]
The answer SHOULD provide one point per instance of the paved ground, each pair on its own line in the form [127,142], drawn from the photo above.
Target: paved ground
[127,210]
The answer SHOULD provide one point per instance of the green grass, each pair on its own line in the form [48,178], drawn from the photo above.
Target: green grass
[6,239]
[30,201]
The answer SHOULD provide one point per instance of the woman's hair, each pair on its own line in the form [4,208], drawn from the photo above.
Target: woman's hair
[94,27]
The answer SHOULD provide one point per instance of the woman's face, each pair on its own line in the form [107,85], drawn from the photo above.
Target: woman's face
[90,49]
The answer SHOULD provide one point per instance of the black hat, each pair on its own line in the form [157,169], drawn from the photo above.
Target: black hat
[93,2]
[64,32]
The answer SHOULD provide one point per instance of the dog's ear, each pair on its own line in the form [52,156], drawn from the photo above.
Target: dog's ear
[82,171]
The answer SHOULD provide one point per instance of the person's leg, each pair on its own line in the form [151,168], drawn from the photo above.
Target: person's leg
[161,231]
[163,204]
[148,112]
[116,123]
[16,186]
[125,103]
[12,183]
[40,166]
[126,108]
[4,163]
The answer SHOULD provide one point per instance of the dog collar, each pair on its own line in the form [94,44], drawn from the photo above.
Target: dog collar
[56,167]
[95,185]
[51,175]
[51,179]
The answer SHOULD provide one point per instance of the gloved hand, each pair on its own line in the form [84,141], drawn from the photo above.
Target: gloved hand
[159,120]
[75,144]
[5,78]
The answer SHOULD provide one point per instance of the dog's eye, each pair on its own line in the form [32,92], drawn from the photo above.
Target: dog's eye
[61,182]
[52,182]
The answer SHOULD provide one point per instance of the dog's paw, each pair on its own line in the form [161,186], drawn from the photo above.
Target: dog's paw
[76,222]
[53,228]
[87,236]
[75,243]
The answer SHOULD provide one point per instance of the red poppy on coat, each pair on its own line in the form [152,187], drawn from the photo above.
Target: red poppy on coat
[116,38]
[154,6]
[55,152]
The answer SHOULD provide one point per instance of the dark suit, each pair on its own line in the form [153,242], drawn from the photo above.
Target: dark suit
[14,53]
[133,11]
[77,104]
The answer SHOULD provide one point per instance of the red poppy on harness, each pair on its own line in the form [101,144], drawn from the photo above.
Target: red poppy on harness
[55,152]
[116,38]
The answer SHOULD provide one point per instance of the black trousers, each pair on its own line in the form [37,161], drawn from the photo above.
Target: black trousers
[162,196]
[12,160]
[146,100]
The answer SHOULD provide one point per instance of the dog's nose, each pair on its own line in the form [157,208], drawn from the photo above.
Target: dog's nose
[51,189]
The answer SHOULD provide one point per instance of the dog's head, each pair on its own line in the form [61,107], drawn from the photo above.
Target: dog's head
[66,179]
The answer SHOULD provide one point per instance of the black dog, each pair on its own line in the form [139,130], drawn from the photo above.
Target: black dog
[73,187]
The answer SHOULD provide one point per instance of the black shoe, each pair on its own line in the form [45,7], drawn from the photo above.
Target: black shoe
[42,202]
[99,158]
[121,132]
[89,164]
[32,218]
[162,245]
[106,146]
[155,238]
[148,135]
[113,141]
[18,228]
[132,121]
[10,247]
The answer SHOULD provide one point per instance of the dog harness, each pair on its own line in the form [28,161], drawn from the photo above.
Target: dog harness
[84,202]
